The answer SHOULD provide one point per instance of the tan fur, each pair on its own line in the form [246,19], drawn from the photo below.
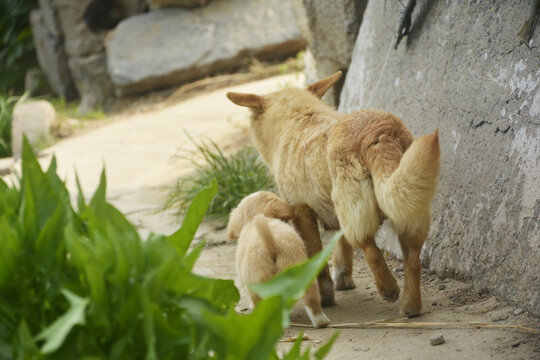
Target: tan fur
[267,245]
[353,170]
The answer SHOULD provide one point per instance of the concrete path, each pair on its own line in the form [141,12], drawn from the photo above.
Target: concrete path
[140,151]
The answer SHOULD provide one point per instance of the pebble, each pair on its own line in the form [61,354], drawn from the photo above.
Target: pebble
[361,348]
[434,303]
[516,343]
[398,269]
[437,339]
[500,317]
[442,286]
[518,311]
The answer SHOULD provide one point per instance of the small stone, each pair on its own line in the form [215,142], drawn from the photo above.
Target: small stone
[518,311]
[399,269]
[442,287]
[516,343]
[437,339]
[434,303]
[500,317]
[361,348]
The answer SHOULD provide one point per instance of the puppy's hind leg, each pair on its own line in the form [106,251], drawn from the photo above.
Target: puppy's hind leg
[342,265]
[312,304]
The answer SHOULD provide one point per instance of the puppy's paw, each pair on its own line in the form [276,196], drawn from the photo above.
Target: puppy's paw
[319,320]
[343,281]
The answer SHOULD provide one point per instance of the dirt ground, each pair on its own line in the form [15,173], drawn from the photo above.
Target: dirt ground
[139,149]
[444,300]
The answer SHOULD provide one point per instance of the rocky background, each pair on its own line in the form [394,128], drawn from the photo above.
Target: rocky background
[462,69]
[135,46]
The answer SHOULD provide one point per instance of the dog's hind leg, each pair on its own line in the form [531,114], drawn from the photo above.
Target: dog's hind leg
[306,224]
[342,265]
[359,216]
[411,245]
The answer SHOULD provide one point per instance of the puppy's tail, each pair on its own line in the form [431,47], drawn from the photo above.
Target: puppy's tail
[261,225]
[405,194]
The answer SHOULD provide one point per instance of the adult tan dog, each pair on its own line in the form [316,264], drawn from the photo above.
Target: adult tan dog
[267,245]
[354,171]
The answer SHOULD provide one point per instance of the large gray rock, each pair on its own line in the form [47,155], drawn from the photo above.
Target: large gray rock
[35,119]
[92,81]
[51,56]
[179,3]
[50,19]
[173,45]
[333,26]
[78,39]
[464,71]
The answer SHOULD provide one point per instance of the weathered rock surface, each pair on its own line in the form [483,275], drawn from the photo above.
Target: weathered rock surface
[464,71]
[92,80]
[51,57]
[78,39]
[179,3]
[34,119]
[173,45]
[333,26]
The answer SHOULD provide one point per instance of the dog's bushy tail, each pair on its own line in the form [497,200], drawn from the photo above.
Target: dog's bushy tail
[261,225]
[405,194]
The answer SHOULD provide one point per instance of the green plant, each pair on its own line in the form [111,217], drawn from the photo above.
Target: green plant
[238,175]
[7,104]
[82,283]
[16,44]
[71,110]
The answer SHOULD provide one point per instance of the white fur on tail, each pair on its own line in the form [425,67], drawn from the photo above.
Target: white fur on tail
[261,225]
[405,196]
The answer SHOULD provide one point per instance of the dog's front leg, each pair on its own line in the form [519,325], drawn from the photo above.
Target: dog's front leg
[306,224]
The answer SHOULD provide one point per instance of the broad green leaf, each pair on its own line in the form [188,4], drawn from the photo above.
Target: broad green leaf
[10,244]
[81,204]
[49,239]
[182,238]
[323,350]
[148,326]
[191,258]
[97,203]
[55,334]
[26,348]
[36,184]
[249,336]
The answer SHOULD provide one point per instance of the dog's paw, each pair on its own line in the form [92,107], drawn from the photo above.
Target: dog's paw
[389,292]
[410,308]
[344,282]
[319,320]
[327,292]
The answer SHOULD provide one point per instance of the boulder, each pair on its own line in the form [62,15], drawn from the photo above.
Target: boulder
[92,80]
[79,40]
[173,45]
[179,3]
[49,18]
[333,26]
[35,119]
[51,56]
[464,70]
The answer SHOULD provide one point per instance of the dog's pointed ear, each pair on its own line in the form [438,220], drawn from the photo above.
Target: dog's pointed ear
[249,100]
[322,86]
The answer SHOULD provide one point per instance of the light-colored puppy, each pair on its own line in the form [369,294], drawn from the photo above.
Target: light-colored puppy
[354,171]
[267,245]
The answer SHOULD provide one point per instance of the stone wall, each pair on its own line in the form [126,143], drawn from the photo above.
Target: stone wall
[463,70]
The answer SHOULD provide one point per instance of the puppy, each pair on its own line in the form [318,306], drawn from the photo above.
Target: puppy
[353,170]
[267,245]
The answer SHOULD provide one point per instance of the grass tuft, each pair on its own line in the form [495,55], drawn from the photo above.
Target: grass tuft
[238,175]
[7,104]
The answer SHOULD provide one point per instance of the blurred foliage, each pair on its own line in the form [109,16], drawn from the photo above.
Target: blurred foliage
[238,175]
[16,44]
[82,284]
[71,110]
